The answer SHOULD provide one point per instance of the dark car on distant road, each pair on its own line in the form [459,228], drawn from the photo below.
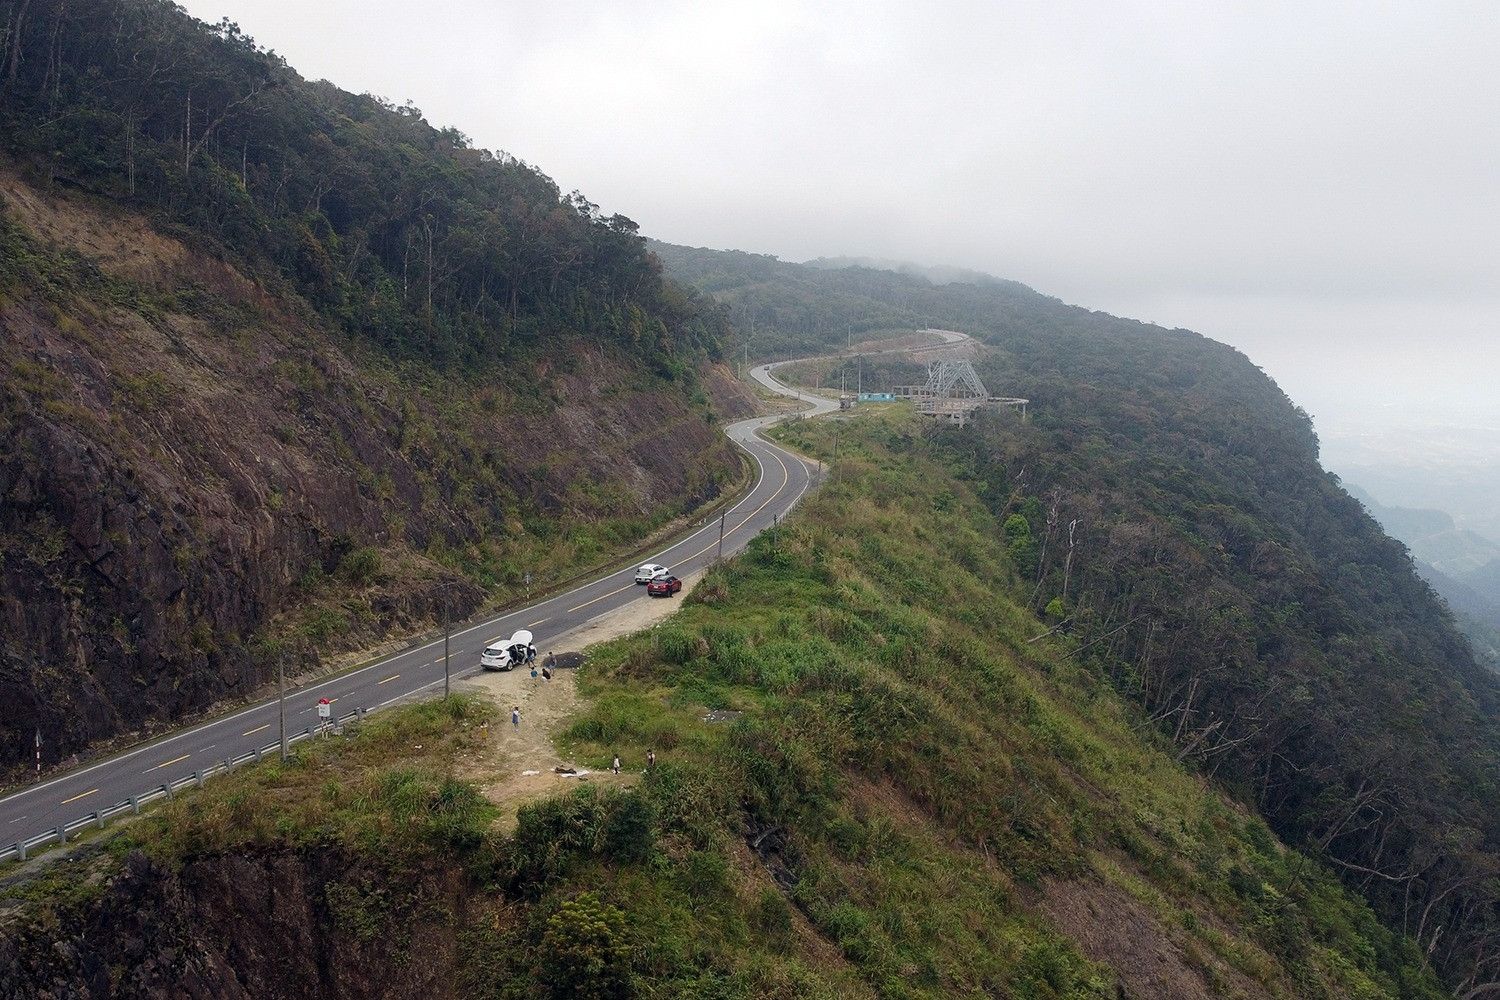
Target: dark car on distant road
[664,585]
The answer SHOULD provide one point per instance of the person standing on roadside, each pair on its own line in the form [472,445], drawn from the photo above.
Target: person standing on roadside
[515,716]
[616,764]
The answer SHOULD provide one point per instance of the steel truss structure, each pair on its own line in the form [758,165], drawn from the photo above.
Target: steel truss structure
[954,391]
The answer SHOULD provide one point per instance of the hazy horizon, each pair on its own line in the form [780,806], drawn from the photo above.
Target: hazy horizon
[1312,184]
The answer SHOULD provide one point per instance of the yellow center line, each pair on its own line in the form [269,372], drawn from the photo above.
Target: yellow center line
[254,731]
[82,795]
[390,678]
[174,761]
[785,482]
[601,597]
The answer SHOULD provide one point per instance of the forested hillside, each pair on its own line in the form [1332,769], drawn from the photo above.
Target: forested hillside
[402,232]
[1167,507]
[876,775]
[1462,565]
[287,371]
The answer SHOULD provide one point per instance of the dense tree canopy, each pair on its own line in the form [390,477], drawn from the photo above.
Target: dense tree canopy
[1165,507]
[1205,562]
[404,233]
[255,327]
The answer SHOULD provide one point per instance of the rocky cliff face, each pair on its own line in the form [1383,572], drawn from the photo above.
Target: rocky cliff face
[253,927]
[188,462]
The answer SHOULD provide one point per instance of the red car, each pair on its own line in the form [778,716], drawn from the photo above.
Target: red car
[663,586]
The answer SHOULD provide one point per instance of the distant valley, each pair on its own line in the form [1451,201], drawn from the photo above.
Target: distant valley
[1124,697]
[1461,564]
[1447,468]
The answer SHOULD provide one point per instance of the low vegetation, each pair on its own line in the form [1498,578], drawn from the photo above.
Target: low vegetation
[1166,509]
[288,369]
[1129,699]
[878,773]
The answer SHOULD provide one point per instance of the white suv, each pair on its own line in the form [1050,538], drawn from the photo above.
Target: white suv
[496,657]
[648,572]
[507,653]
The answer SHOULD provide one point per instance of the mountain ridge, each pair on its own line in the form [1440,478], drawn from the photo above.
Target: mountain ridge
[362,365]
[285,366]
[1167,503]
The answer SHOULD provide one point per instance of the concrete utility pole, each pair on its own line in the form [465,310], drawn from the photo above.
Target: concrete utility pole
[721,535]
[445,640]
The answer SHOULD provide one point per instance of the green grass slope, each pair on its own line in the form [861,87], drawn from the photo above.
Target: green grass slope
[878,775]
[1167,510]
[287,371]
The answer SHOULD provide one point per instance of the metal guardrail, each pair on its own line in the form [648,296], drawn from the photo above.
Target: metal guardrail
[21,849]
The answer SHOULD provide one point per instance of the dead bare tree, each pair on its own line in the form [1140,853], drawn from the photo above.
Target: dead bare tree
[1068,563]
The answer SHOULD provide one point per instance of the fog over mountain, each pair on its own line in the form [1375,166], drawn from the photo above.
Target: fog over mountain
[1309,184]
[1121,695]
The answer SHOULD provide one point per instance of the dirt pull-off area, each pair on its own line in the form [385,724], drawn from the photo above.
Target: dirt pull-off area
[187,461]
[520,762]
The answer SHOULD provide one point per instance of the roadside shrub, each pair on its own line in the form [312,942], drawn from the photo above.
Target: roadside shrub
[771,915]
[705,874]
[361,567]
[324,623]
[848,926]
[554,834]
[627,832]
[585,954]
[458,813]
[692,799]
[612,719]
[676,646]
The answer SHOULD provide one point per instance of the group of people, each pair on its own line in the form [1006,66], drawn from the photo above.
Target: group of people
[548,666]
[650,761]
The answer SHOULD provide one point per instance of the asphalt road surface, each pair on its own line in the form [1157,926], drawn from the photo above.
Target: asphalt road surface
[782,481]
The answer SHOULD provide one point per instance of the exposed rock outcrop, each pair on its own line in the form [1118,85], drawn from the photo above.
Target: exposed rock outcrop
[181,453]
[253,927]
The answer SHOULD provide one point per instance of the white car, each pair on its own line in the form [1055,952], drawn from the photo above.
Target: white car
[647,572]
[507,653]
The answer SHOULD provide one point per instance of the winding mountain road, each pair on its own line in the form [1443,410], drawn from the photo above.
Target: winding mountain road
[783,478]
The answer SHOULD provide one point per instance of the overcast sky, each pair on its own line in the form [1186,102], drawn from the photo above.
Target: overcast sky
[1317,184]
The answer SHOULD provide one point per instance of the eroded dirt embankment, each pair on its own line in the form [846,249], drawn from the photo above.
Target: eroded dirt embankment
[317,922]
[288,924]
[187,463]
